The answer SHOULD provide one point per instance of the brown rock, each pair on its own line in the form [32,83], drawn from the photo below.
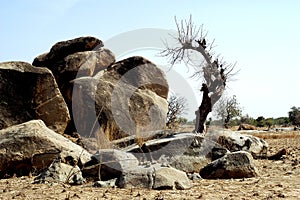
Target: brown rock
[128,99]
[62,49]
[32,146]
[29,92]
[246,127]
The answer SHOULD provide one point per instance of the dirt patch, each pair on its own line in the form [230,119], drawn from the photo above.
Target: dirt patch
[278,180]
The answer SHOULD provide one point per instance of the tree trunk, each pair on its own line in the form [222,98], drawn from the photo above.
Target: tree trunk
[204,109]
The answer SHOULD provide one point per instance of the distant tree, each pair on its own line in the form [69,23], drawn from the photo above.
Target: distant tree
[227,108]
[246,119]
[213,71]
[294,116]
[269,122]
[260,121]
[282,121]
[176,107]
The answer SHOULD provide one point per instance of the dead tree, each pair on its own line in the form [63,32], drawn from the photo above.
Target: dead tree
[213,71]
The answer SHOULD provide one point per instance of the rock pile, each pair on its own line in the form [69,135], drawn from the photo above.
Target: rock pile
[78,89]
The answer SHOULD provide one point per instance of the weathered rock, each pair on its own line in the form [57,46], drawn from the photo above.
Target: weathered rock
[138,177]
[155,177]
[170,178]
[234,141]
[246,127]
[59,172]
[78,65]
[186,151]
[234,165]
[32,146]
[62,49]
[106,184]
[28,93]
[110,163]
[128,99]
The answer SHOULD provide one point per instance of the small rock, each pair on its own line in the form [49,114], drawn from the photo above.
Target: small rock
[105,184]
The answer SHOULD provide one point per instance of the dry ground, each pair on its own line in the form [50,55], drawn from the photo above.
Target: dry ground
[277,180]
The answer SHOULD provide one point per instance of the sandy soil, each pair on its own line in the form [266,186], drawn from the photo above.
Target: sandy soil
[277,180]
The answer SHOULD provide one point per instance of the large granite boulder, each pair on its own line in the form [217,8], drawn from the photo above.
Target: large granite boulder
[32,146]
[72,59]
[234,165]
[129,98]
[187,152]
[234,141]
[28,92]
[64,48]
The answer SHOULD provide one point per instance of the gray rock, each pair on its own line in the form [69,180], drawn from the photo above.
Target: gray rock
[234,165]
[194,176]
[28,93]
[234,141]
[137,177]
[106,184]
[155,177]
[59,172]
[187,152]
[110,163]
[170,178]
[32,146]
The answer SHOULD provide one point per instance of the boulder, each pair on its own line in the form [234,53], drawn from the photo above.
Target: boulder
[79,57]
[155,177]
[105,184]
[246,127]
[59,172]
[234,165]
[110,163]
[186,151]
[234,141]
[62,49]
[32,146]
[170,178]
[29,92]
[130,98]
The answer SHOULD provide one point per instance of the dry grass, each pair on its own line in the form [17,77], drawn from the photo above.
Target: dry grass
[277,135]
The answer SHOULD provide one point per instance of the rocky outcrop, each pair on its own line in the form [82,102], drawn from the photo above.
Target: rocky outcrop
[28,93]
[234,165]
[246,127]
[32,146]
[127,99]
[234,141]
[186,151]
[72,59]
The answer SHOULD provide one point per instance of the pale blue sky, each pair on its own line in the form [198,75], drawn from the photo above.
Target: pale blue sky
[261,36]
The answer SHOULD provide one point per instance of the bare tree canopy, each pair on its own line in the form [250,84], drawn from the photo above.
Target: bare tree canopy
[227,108]
[213,70]
[176,107]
